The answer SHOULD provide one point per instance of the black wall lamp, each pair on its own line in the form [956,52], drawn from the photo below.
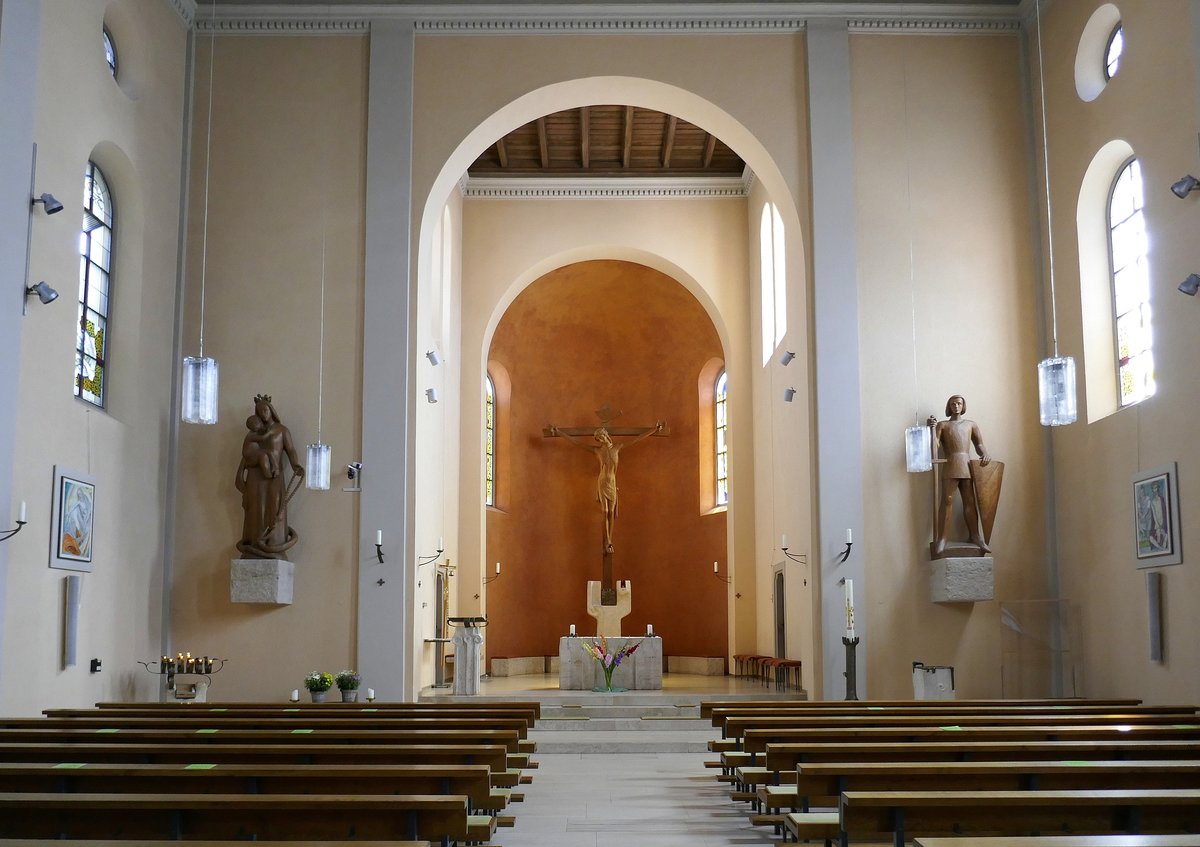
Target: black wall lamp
[1183,187]
[49,202]
[1190,285]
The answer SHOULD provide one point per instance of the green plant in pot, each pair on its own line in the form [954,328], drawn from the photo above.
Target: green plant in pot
[317,683]
[348,682]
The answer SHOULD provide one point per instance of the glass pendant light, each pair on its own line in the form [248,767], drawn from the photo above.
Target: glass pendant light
[918,452]
[200,373]
[317,472]
[1056,374]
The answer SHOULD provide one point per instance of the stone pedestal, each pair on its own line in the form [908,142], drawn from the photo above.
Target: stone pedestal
[608,618]
[962,580]
[578,671]
[261,581]
[467,641]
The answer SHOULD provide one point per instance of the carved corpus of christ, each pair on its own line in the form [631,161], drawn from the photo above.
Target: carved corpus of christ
[607,453]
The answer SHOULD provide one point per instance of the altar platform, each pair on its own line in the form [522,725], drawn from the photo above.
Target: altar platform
[676,688]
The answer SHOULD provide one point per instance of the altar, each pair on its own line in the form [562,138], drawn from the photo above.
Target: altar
[579,671]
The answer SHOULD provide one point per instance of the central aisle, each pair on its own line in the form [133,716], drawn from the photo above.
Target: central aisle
[629,800]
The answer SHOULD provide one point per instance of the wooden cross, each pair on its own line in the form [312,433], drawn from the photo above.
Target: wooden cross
[608,586]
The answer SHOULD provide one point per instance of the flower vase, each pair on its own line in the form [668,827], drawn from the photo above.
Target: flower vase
[349,695]
[608,672]
[317,696]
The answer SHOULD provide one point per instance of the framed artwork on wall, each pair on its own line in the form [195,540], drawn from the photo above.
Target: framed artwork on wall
[1156,535]
[72,519]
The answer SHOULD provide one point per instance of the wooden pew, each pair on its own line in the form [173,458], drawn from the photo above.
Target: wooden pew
[290,724]
[1172,840]
[506,773]
[369,713]
[902,815]
[470,781]
[532,706]
[706,706]
[719,714]
[115,735]
[143,842]
[737,726]
[821,783]
[755,741]
[240,816]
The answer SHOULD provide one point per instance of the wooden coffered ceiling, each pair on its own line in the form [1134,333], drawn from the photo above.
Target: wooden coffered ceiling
[608,141]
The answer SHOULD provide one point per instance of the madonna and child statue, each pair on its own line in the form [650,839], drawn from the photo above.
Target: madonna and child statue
[265,484]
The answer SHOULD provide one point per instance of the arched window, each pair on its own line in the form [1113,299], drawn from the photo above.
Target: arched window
[721,417]
[1128,250]
[110,51]
[773,278]
[95,287]
[1113,50]
[489,438]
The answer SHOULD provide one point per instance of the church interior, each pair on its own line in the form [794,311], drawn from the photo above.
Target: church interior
[436,234]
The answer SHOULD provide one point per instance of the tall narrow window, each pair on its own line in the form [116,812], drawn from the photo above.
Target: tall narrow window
[1131,286]
[110,51]
[95,287]
[489,442]
[1113,50]
[721,417]
[773,279]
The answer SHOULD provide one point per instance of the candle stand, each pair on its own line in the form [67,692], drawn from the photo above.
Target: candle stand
[851,672]
[185,665]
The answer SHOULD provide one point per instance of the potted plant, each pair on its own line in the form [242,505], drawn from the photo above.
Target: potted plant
[317,683]
[348,682]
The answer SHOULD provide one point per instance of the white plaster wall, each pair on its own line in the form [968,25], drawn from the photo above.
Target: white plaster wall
[132,128]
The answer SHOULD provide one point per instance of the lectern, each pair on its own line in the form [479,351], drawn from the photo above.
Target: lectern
[467,641]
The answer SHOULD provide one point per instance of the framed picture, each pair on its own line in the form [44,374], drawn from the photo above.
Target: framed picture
[72,520]
[1156,536]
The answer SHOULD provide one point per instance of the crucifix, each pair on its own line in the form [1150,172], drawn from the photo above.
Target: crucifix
[606,453]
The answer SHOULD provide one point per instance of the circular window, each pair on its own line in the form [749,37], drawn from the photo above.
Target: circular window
[1098,57]
[110,51]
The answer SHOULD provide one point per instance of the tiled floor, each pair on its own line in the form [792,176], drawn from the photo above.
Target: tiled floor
[628,800]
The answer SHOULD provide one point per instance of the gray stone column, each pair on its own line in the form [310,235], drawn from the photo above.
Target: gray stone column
[385,609]
[835,321]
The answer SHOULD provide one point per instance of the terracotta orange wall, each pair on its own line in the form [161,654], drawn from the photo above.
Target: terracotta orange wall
[583,335]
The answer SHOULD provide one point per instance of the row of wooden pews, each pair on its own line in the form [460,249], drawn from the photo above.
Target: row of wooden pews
[400,773]
[903,770]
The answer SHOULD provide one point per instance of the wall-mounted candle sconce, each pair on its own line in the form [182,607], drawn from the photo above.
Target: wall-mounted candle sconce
[425,560]
[845,554]
[379,545]
[488,579]
[7,534]
[802,558]
[717,574]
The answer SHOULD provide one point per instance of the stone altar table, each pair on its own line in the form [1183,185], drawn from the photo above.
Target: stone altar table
[578,671]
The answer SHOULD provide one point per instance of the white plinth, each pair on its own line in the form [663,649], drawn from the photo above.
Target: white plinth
[608,618]
[261,581]
[467,640]
[962,580]
[578,671]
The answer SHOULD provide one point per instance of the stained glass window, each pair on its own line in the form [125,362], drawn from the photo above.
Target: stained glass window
[1113,50]
[721,416]
[95,287]
[773,279]
[1129,248]
[489,447]
[110,52]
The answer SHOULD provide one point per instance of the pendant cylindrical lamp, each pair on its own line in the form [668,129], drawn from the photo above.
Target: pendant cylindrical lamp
[1056,390]
[918,455]
[200,383]
[316,474]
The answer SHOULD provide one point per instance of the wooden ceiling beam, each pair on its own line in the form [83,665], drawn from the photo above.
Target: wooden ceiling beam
[669,141]
[709,146]
[543,147]
[502,152]
[627,150]
[585,120]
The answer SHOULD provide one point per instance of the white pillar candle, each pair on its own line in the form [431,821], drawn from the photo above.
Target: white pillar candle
[295,695]
[715,568]
[441,546]
[572,630]
[649,629]
[783,545]
[21,516]
[379,536]
[849,608]
[849,537]
[497,569]
[370,693]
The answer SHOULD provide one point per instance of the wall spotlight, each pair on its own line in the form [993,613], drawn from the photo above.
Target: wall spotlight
[433,357]
[43,291]
[49,202]
[431,395]
[353,470]
[786,358]
[1190,285]
[1182,188]
[788,394]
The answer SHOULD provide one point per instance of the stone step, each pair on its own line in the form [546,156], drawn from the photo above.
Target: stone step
[621,741]
[619,711]
[625,724]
